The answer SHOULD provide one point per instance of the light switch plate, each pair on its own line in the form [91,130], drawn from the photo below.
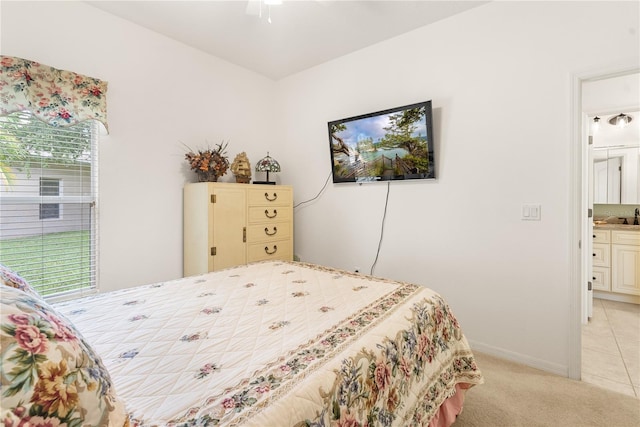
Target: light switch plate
[531,212]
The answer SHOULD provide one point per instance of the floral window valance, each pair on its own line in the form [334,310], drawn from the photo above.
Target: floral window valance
[57,97]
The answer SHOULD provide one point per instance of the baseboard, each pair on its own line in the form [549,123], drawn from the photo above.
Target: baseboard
[532,362]
[632,299]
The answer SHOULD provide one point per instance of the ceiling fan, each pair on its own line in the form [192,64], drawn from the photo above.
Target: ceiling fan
[254,7]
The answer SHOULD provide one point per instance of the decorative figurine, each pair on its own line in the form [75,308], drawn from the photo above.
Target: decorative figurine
[241,168]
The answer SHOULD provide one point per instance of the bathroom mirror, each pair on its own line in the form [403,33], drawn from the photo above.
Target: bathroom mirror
[616,175]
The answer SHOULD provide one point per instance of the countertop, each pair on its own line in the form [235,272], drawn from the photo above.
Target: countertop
[606,226]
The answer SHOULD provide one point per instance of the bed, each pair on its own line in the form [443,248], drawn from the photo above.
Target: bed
[266,344]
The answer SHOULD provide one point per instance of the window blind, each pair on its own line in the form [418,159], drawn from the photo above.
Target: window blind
[48,190]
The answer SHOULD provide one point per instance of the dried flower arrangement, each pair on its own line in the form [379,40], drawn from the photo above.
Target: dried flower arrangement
[209,164]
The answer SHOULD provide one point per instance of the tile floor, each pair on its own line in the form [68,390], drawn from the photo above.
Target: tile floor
[611,347]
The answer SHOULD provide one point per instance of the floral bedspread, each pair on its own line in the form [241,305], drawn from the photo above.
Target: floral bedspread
[276,344]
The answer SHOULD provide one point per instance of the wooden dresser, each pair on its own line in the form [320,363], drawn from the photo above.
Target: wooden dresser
[228,224]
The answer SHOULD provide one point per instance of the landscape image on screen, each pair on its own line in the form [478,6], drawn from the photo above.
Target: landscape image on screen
[388,145]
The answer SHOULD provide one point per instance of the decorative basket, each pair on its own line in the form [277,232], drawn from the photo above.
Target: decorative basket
[207,176]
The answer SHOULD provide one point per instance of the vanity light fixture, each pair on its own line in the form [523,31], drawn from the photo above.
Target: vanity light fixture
[621,120]
[596,124]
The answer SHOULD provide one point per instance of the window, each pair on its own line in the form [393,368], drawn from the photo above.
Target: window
[47,203]
[49,187]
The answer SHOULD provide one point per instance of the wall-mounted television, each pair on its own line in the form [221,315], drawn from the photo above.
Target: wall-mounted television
[394,144]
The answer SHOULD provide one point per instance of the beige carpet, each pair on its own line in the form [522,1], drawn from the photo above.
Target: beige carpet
[516,395]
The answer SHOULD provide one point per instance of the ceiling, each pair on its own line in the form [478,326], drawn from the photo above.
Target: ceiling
[301,34]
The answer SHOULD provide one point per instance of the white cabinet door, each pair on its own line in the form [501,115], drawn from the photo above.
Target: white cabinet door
[625,274]
[600,181]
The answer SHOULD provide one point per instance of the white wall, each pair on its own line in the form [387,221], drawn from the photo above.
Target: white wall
[160,93]
[500,77]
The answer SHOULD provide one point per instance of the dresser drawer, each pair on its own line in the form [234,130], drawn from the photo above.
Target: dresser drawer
[279,249]
[601,255]
[270,197]
[269,232]
[625,237]
[601,236]
[269,214]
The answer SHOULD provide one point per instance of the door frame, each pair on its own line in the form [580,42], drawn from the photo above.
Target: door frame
[578,217]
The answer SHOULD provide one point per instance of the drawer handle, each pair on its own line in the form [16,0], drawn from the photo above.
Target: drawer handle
[266,231]
[594,236]
[594,277]
[275,197]
[275,249]
[275,213]
[594,254]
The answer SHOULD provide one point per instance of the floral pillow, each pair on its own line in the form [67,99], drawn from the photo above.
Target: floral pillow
[10,278]
[50,375]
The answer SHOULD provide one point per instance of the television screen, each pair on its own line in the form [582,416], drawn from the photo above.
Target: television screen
[394,144]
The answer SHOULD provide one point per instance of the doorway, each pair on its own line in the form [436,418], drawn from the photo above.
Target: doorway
[609,349]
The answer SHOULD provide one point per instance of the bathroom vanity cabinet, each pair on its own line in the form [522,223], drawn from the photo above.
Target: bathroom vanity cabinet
[616,261]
